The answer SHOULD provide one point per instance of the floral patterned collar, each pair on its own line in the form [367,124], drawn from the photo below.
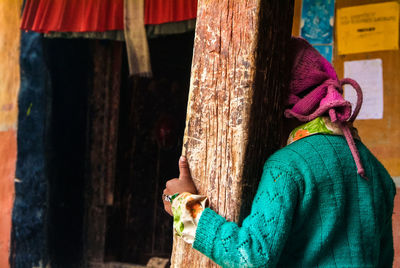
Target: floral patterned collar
[320,125]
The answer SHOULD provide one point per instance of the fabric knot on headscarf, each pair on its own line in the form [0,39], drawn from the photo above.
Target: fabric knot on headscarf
[315,91]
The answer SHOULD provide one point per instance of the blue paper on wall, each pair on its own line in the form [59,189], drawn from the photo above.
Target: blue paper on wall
[325,50]
[317,17]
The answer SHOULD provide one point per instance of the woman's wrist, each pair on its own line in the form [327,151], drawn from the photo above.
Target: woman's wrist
[187,209]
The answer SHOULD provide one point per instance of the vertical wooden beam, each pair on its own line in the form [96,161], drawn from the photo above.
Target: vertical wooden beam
[102,139]
[235,110]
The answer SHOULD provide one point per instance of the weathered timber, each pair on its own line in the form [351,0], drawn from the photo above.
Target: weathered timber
[235,110]
[102,138]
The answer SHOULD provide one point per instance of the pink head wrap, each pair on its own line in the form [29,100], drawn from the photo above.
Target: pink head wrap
[315,90]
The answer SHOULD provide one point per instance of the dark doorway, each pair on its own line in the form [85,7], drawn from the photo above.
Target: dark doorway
[70,67]
[151,126]
[112,143]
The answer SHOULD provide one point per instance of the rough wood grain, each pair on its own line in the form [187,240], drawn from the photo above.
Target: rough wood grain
[102,140]
[235,108]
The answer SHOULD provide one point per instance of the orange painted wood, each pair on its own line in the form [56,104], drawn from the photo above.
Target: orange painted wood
[8,158]
[297,18]
[10,12]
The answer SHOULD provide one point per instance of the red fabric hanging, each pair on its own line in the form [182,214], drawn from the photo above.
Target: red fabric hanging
[98,15]
[163,11]
[73,15]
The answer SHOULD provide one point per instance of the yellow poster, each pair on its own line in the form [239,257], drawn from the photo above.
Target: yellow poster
[368,28]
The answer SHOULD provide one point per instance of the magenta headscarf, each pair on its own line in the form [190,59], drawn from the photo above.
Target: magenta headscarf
[315,90]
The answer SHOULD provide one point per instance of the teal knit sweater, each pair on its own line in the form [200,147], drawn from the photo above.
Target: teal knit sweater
[311,209]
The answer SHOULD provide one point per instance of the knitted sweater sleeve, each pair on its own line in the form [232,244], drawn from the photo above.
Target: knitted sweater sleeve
[263,234]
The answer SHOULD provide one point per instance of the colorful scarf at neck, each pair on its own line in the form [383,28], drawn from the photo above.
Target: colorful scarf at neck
[320,125]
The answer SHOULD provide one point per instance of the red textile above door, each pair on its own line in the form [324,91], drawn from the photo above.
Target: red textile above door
[98,15]
[163,11]
[73,15]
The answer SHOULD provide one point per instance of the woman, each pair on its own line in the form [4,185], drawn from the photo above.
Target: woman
[323,200]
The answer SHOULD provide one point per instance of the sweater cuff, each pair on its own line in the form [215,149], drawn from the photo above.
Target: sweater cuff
[207,229]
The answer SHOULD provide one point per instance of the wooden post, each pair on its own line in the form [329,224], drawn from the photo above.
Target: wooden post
[235,109]
[102,138]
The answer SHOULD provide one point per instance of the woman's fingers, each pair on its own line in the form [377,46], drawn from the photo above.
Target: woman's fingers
[184,172]
[183,184]
[171,185]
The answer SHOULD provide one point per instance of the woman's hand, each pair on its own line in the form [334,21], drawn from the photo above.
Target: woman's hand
[179,185]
